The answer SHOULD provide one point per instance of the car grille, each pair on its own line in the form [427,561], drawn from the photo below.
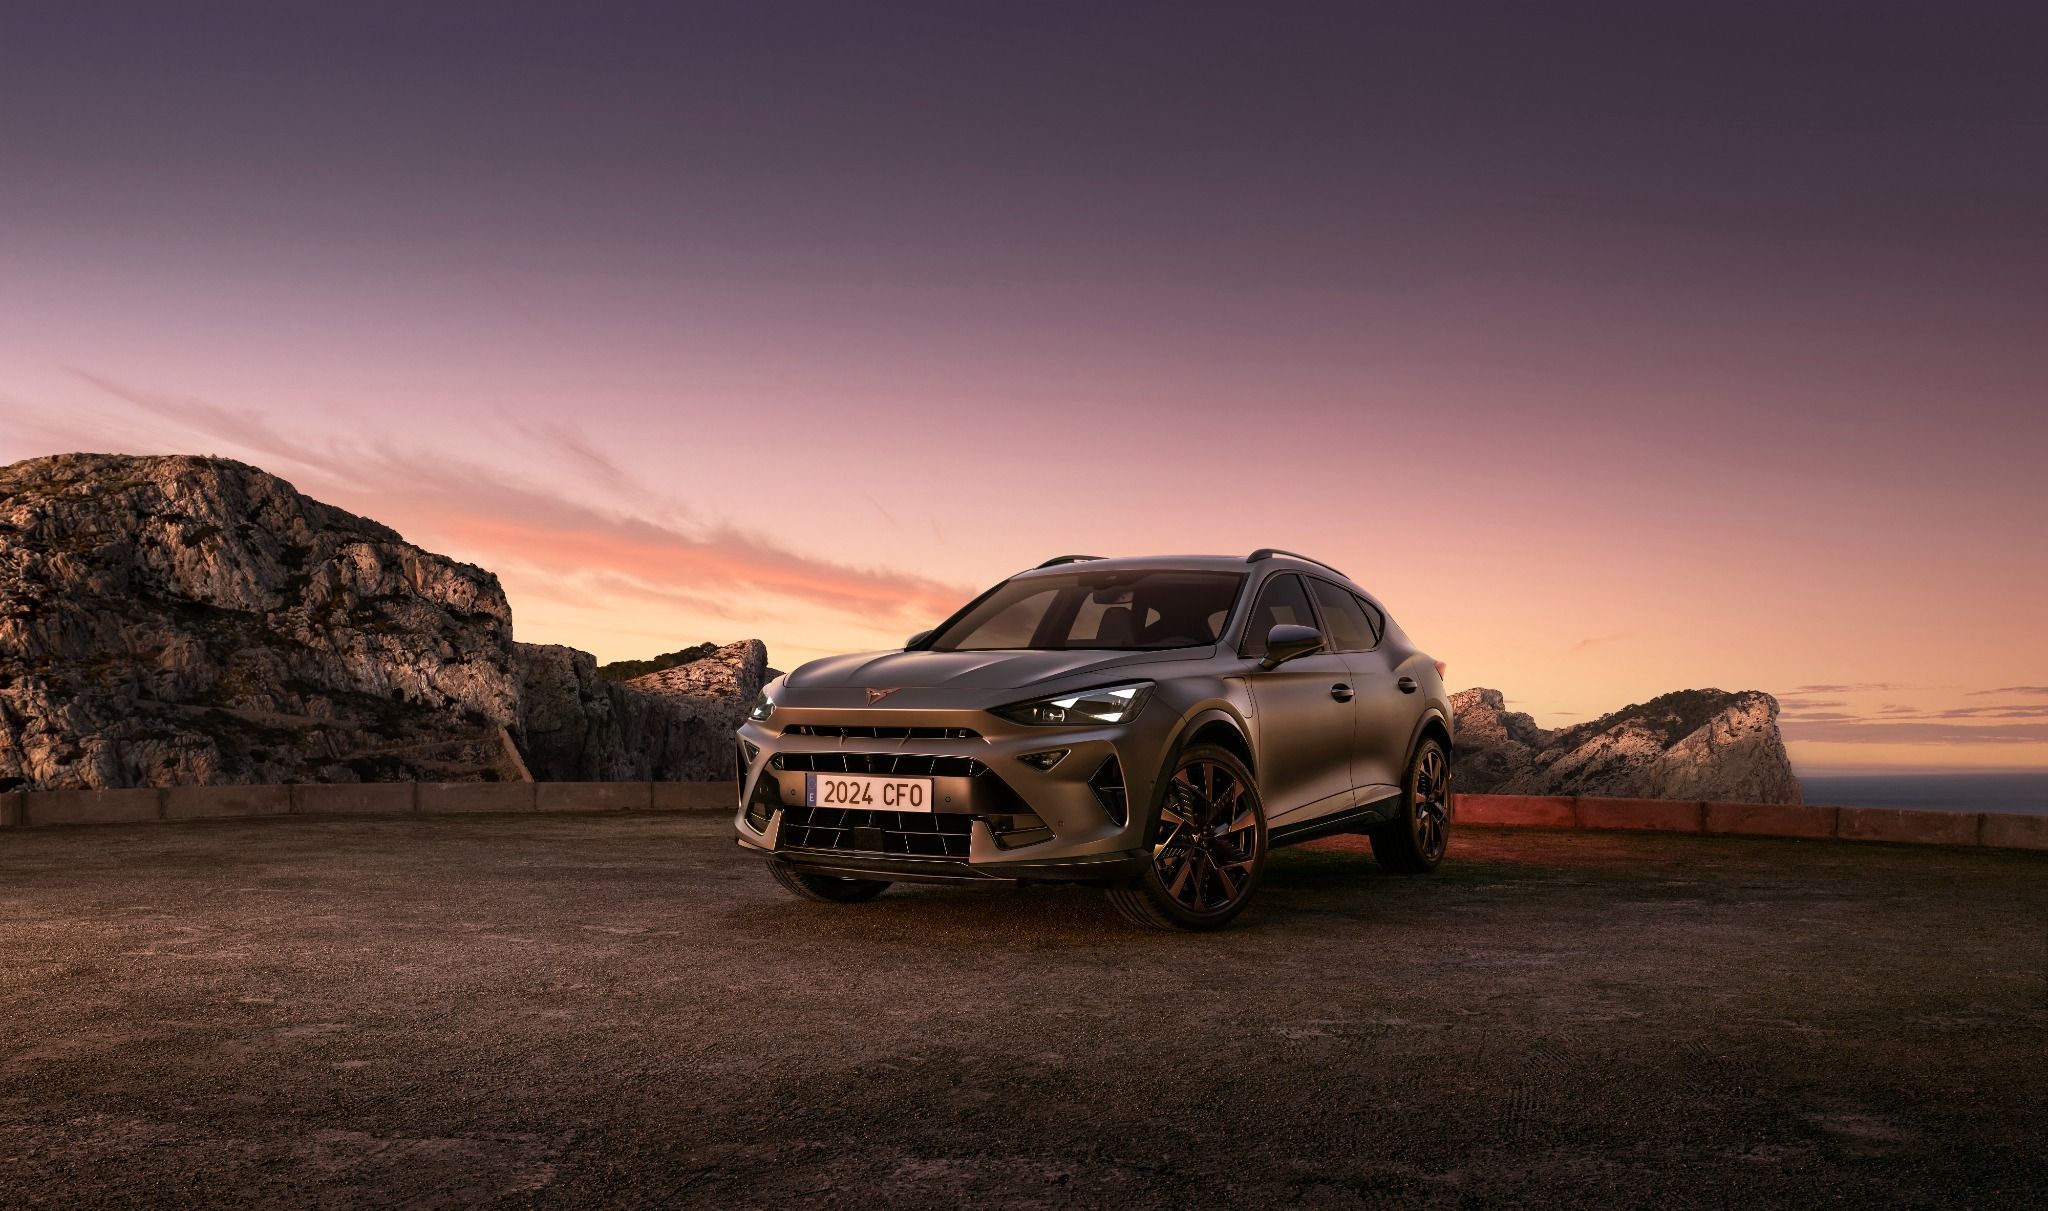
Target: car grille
[908,764]
[882,733]
[911,834]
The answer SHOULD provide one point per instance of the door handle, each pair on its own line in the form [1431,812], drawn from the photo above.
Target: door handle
[1407,685]
[1341,692]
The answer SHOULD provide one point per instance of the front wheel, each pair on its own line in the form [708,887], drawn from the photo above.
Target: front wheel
[1413,842]
[1208,850]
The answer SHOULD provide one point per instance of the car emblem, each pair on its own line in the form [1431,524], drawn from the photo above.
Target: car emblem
[875,696]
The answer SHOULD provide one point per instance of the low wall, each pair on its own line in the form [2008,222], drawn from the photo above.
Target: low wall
[34,808]
[1996,830]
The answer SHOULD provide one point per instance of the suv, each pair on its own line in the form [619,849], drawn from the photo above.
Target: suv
[1149,726]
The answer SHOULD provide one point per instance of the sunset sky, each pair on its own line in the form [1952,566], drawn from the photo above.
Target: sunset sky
[1619,348]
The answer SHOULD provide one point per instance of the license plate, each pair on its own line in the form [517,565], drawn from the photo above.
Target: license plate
[865,792]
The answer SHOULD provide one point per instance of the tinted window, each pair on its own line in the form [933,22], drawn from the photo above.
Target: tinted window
[1281,601]
[1378,620]
[1349,629]
[1110,610]
[1013,625]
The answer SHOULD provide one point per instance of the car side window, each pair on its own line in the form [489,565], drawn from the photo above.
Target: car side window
[1350,629]
[1282,601]
[1378,620]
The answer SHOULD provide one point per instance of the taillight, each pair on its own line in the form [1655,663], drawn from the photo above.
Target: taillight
[1441,667]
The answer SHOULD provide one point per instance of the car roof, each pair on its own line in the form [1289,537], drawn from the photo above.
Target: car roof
[1132,563]
[1188,563]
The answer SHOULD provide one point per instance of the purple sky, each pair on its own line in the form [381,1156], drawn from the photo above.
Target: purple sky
[1620,347]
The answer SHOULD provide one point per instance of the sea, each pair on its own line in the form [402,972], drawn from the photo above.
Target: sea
[2024,792]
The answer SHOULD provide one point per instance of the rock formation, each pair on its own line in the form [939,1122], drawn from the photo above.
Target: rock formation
[626,670]
[196,620]
[672,725]
[1692,744]
[180,620]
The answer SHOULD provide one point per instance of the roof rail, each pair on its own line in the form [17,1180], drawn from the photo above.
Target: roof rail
[1270,552]
[1057,560]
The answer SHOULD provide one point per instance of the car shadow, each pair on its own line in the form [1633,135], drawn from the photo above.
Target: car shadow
[1300,885]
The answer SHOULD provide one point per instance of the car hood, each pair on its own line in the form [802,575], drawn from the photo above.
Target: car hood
[969,670]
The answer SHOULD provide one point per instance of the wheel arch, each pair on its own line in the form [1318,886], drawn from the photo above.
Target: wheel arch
[1209,724]
[1432,725]
[1217,726]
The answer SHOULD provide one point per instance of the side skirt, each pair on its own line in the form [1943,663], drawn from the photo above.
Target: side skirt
[1352,819]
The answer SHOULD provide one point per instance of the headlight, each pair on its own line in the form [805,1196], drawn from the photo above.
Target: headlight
[763,707]
[1110,704]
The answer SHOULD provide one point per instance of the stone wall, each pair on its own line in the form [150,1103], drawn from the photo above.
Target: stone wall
[1998,830]
[1995,830]
[134,805]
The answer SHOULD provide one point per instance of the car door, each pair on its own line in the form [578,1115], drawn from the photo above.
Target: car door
[1301,713]
[1381,710]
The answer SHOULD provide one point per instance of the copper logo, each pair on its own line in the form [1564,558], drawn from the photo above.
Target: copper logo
[875,696]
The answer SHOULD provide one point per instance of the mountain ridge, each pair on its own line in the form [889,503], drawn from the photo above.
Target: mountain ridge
[184,619]
[1687,744]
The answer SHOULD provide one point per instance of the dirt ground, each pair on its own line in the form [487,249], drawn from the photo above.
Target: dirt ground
[624,1010]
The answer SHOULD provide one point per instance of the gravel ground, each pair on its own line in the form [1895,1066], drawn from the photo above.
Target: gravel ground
[623,1009]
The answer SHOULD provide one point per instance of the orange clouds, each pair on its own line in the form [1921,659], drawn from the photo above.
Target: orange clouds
[590,525]
[1569,573]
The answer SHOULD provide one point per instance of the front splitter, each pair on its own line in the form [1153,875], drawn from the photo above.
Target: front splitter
[1098,868]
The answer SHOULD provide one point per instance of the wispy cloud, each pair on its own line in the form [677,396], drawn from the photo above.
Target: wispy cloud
[1859,730]
[1993,712]
[1826,713]
[1593,641]
[2039,690]
[650,546]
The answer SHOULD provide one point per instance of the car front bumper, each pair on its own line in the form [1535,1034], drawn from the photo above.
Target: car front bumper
[996,817]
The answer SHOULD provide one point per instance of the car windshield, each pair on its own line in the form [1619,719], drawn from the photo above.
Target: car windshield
[1143,610]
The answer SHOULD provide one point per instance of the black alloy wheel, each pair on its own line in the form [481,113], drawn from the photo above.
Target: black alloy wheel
[1414,842]
[1208,850]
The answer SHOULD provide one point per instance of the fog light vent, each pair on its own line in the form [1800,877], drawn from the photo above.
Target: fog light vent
[1108,784]
[761,804]
[1045,760]
[1018,829]
[748,751]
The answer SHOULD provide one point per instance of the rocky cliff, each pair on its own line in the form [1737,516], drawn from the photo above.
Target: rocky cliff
[177,620]
[675,724]
[194,620]
[1693,744]
[626,670]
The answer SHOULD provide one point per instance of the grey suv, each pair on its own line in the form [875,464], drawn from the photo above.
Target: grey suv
[1149,726]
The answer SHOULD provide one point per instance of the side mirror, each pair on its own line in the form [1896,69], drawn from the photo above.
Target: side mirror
[1288,641]
[916,639]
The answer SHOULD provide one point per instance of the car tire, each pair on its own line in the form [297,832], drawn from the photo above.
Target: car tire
[1413,843]
[826,889]
[1208,850]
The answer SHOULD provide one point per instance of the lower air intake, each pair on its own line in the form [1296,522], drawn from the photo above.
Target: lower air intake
[905,834]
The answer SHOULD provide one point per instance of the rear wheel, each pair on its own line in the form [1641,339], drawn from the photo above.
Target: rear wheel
[1414,841]
[828,889]
[1208,850]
